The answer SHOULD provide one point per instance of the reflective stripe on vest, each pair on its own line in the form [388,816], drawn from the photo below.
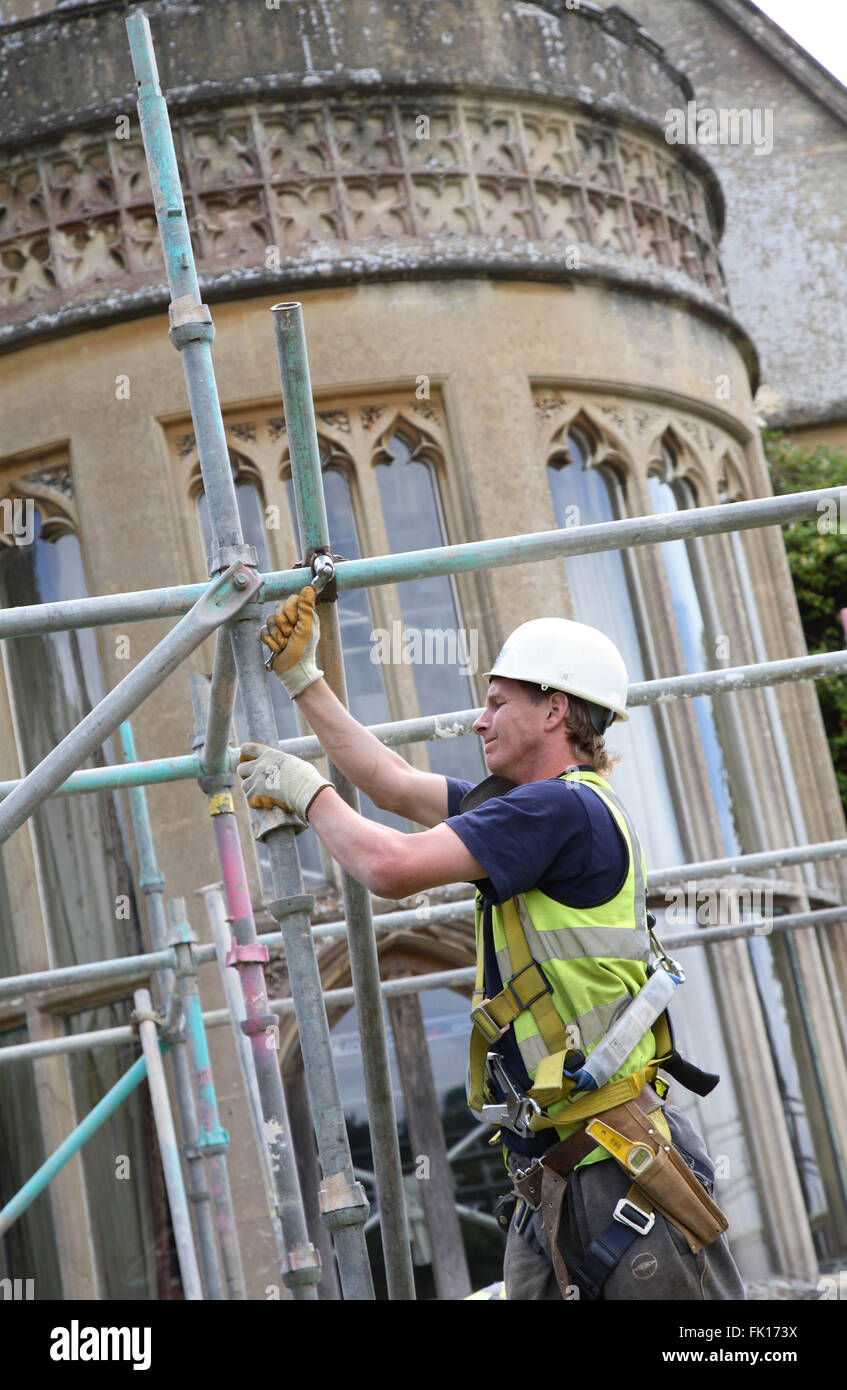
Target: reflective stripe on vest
[594,959]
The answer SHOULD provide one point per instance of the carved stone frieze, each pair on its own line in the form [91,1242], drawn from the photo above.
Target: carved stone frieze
[55,479]
[336,419]
[45,483]
[635,432]
[352,428]
[263,183]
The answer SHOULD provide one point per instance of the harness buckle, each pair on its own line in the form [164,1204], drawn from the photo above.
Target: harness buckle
[523,1212]
[490,1029]
[547,988]
[642,1227]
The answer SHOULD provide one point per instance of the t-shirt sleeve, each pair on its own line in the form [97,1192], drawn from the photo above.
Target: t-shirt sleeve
[519,837]
[456,789]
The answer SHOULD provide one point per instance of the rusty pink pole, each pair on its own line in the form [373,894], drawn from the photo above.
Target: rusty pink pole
[300,1264]
[249,957]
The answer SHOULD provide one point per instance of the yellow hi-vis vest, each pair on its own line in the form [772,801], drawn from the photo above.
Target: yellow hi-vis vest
[567,972]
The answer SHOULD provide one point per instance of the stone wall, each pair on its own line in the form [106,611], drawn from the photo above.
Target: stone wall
[786,223]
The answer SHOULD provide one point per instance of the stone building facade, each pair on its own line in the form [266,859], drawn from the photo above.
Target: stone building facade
[786,212]
[519,316]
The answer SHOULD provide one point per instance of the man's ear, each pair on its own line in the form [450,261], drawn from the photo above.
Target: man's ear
[559,706]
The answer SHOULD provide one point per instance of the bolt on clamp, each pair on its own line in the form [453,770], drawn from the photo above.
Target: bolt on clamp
[323,575]
[146,1016]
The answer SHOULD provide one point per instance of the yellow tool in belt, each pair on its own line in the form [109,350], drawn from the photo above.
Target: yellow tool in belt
[635,1157]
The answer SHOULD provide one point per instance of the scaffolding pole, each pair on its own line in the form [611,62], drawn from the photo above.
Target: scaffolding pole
[343,1202]
[122,968]
[71,1146]
[223,599]
[125,967]
[299,1263]
[219,925]
[151,883]
[141,604]
[361,941]
[168,1147]
[458,978]
[455,724]
[212,1140]
[218,704]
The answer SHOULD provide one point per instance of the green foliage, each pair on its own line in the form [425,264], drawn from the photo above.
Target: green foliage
[817,555]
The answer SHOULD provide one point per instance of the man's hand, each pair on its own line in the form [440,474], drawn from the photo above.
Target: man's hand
[273,778]
[292,633]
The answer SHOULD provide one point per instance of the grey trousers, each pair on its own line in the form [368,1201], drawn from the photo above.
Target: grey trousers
[658,1266]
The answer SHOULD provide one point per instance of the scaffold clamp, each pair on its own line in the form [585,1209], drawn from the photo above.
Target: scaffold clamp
[263,1024]
[342,1203]
[213,1141]
[286,907]
[255,953]
[322,564]
[146,1016]
[190,322]
[301,1266]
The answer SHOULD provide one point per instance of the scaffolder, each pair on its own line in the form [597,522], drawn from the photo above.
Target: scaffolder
[228,604]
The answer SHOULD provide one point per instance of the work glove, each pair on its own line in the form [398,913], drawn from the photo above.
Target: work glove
[292,631]
[273,778]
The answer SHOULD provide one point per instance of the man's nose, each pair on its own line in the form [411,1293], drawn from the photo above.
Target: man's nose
[479,723]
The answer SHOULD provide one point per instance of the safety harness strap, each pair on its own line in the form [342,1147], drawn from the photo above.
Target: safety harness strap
[637,865]
[595,1102]
[633,1218]
[526,970]
[529,988]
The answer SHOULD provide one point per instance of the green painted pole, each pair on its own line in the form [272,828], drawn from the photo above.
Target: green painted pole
[71,1146]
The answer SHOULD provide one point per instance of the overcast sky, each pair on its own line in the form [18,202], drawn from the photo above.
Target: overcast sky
[819,25]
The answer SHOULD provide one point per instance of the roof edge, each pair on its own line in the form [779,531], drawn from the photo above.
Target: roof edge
[786,52]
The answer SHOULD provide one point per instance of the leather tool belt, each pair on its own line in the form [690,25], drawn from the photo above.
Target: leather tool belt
[665,1183]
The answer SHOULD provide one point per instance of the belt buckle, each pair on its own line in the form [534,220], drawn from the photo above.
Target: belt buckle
[648,1217]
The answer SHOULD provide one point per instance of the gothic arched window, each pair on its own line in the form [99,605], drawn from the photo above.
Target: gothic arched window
[365,684]
[774,966]
[366,693]
[671,494]
[414,520]
[54,680]
[603,591]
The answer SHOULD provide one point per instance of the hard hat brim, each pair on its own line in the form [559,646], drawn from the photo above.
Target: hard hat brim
[619,712]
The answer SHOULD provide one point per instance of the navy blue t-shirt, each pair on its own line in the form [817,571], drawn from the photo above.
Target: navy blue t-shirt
[554,835]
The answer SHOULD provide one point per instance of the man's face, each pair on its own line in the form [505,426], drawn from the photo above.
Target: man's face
[510,727]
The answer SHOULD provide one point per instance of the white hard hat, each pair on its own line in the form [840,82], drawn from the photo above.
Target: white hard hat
[568,656]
